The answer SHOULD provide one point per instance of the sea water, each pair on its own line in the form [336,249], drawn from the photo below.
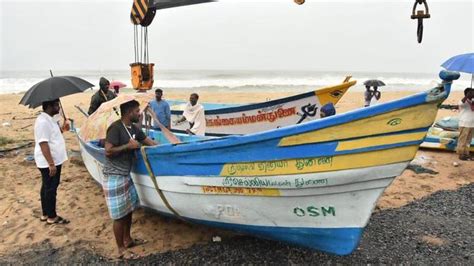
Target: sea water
[237,80]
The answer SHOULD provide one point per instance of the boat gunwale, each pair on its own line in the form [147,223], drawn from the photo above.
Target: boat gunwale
[338,119]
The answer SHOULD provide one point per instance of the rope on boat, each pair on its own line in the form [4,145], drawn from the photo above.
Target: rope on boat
[153,179]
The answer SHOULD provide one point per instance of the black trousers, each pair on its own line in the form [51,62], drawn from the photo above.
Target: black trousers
[48,191]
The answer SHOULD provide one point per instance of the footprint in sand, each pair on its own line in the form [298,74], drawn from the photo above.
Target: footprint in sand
[36,213]
[60,230]
[101,229]
[426,187]
[30,236]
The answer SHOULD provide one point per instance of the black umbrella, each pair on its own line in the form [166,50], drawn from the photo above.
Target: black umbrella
[374,83]
[53,88]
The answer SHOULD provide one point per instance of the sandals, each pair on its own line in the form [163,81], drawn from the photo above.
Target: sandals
[136,242]
[59,220]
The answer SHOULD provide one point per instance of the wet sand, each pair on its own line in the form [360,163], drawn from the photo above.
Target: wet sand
[81,200]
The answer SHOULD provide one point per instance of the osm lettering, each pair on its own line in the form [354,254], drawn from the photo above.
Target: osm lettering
[313,211]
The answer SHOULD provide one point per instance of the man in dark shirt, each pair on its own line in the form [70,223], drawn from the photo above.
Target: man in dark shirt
[101,96]
[121,143]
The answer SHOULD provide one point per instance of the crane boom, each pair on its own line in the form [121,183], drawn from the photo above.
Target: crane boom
[143,11]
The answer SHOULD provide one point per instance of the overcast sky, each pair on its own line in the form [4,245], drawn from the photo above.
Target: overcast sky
[327,35]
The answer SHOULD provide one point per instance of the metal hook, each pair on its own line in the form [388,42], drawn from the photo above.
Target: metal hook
[420,15]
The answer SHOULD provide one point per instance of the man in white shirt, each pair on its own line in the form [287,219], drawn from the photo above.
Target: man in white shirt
[466,124]
[371,97]
[194,114]
[50,153]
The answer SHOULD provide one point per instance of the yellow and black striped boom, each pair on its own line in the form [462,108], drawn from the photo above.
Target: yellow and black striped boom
[143,11]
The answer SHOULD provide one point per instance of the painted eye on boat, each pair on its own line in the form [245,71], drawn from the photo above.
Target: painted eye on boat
[394,122]
[336,93]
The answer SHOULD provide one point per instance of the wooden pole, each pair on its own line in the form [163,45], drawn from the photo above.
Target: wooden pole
[166,132]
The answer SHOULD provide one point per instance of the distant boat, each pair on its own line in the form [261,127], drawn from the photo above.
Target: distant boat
[313,184]
[222,119]
[443,135]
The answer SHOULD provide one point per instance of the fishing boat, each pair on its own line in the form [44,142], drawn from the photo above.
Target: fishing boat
[313,184]
[222,120]
[443,135]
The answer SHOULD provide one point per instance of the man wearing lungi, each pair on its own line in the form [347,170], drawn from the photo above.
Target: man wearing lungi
[122,141]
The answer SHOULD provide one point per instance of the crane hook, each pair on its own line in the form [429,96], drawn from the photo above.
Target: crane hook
[420,15]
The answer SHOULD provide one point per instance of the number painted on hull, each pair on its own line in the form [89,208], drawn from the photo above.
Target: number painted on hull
[222,211]
[313,211]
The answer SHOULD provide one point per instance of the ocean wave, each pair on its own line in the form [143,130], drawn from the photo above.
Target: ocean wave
[244,81]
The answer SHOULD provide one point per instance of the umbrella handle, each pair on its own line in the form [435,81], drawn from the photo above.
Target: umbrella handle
[60,105]
[62,110]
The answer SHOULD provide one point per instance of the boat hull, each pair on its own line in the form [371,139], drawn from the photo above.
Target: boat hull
[320,211]
[441,139]
[252,118]
[447,144]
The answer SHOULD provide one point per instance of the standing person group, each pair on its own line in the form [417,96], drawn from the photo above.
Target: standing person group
[371,97]
[193,113]
[466,124]
[123,139]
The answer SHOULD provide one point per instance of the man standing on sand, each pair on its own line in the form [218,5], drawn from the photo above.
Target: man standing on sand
[50,153]
[162,109]
[121,143]
[194,114]
[101,96]
[371,97]
[466,124]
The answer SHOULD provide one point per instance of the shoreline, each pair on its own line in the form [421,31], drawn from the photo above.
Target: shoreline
[263,88]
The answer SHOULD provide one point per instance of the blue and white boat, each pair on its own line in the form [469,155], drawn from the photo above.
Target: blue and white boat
[227,119]
[443,135]
[313,184]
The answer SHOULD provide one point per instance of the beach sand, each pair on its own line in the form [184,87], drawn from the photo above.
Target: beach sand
[81,200]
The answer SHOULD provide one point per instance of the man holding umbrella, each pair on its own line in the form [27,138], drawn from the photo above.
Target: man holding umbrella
[464,63]
[50,148]
[101,96]
[371,97]
[50,153]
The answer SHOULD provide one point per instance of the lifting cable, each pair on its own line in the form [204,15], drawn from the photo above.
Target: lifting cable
[140,44]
